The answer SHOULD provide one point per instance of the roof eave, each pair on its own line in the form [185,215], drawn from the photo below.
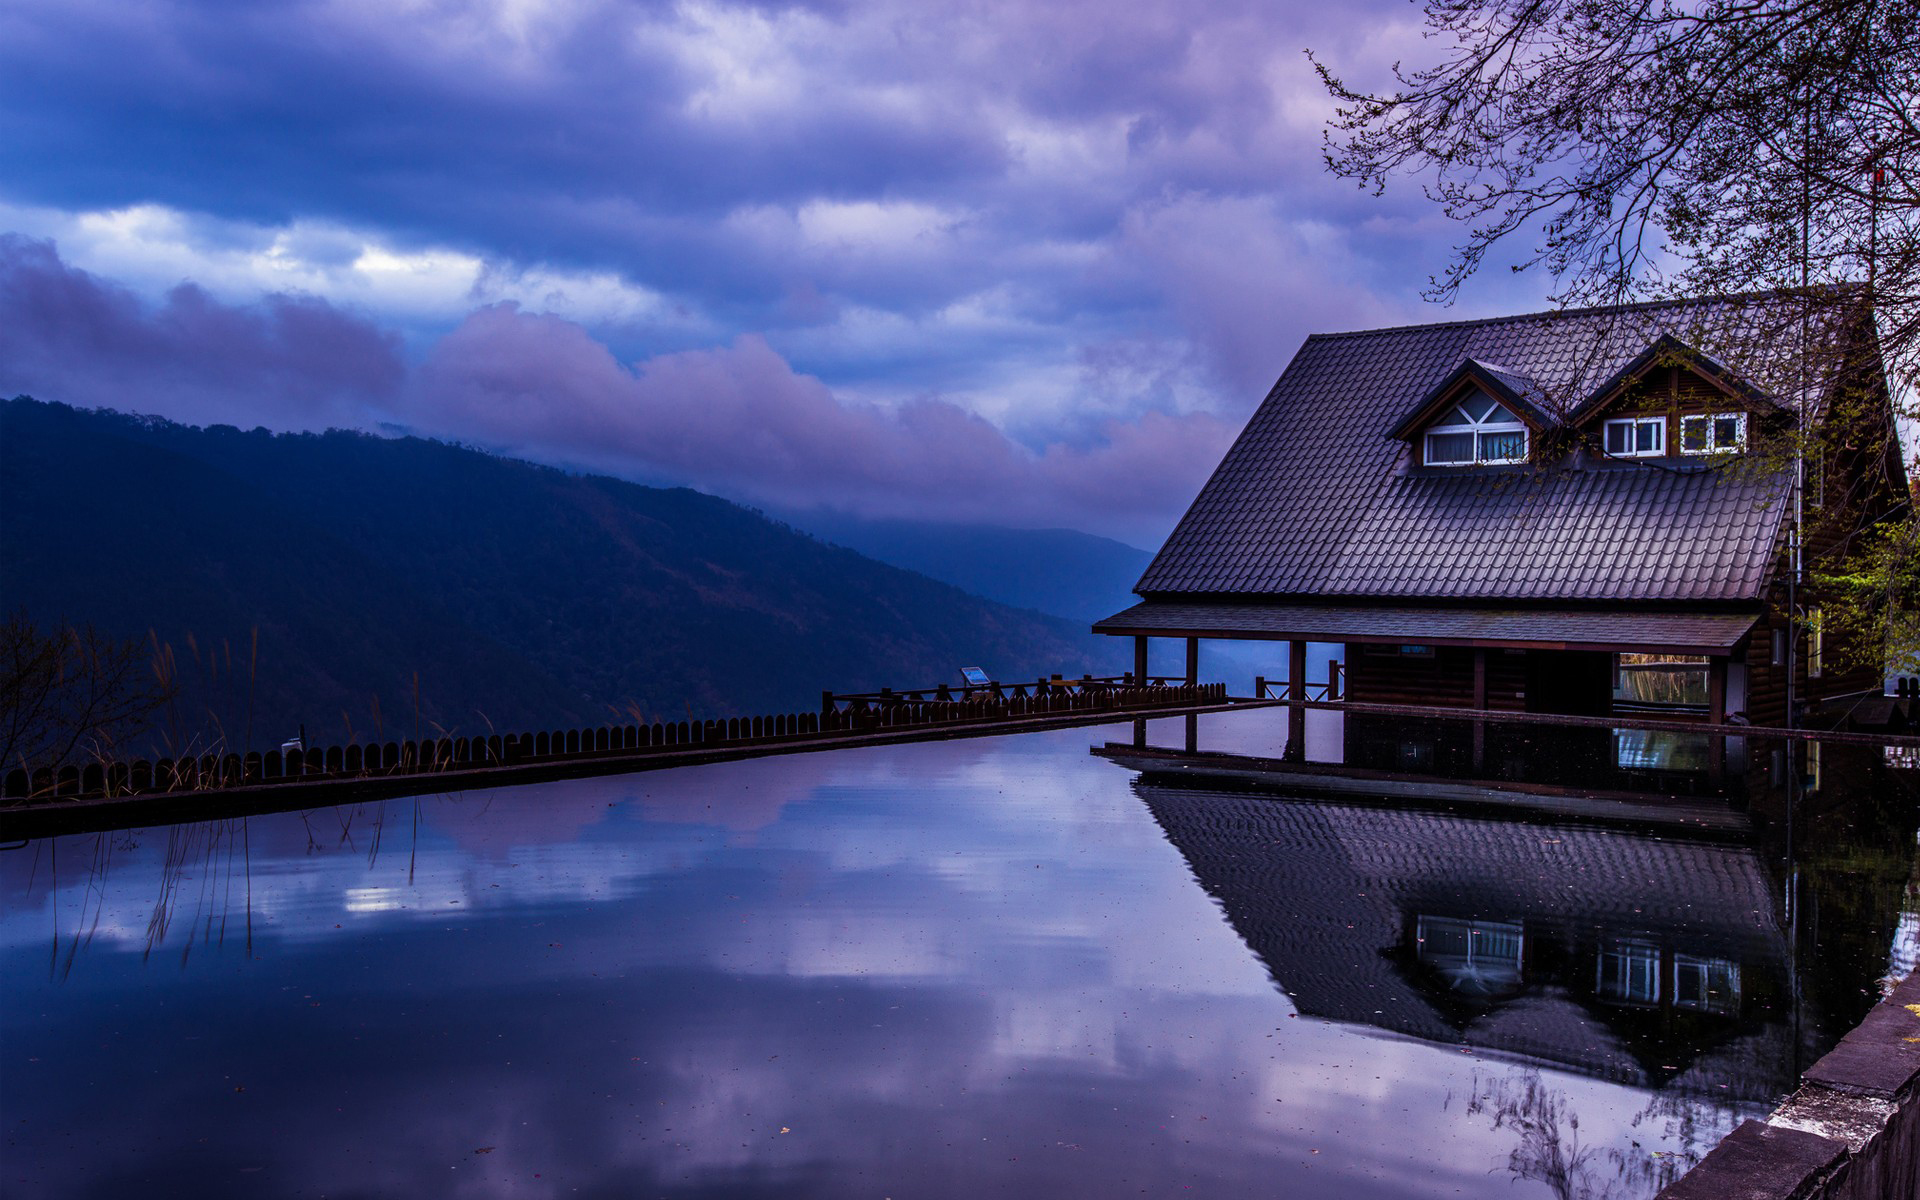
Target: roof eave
[1475,372]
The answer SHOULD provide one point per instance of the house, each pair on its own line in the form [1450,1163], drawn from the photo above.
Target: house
[1521,514]
[1650,959]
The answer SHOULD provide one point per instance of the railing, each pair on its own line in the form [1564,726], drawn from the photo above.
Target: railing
[1052,685]
[1332,691]
[451,755]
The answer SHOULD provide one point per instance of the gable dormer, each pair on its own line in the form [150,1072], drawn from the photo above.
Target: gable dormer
[1672,401]
[1480,415]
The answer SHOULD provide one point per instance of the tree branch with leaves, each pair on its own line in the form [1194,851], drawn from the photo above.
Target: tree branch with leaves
[1653,150]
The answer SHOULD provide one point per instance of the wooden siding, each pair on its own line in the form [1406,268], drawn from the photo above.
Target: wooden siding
[1677,392]
[1445,678]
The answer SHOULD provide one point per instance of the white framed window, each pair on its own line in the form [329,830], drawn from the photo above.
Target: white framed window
[1712,984]
[1478,430]
[1713,433]
[1629,972]
[1477,957]
[1634,437]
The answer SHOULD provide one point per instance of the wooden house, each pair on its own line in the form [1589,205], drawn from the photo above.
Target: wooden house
[1524,513]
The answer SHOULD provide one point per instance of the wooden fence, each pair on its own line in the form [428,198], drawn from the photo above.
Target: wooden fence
[1053,685]
[462,754]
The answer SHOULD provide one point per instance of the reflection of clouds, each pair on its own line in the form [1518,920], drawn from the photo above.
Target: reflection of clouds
[947,969]
[739,796]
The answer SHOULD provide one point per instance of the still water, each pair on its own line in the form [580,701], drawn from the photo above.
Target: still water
[1004,966]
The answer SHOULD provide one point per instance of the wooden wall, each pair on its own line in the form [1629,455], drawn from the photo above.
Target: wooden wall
[1445,679]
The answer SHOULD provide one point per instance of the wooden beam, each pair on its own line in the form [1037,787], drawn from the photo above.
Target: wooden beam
[1373,639]
[1193,660]
[1140,660]
[1479,682]
[1717,690]
[1296,670]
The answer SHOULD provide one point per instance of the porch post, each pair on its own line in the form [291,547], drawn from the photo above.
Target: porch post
[1193,661]
[1717,713]
[1296,750]
[1140,660]
[1479,677]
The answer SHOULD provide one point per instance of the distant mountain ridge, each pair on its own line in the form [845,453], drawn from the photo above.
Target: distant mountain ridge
[1062,572]
[522,596]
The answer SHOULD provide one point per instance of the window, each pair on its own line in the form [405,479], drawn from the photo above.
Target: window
[1629,972]
[1376,651]
[1663,679]
[1635,437]
[1476,430]
[1713,433]
[1712,984]
[1476,957]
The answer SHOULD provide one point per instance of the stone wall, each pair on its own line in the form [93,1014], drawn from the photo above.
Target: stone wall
[1852,1131]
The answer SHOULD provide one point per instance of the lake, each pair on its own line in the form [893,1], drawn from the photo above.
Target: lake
[1049,964]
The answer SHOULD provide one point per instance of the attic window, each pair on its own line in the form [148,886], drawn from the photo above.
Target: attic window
[1476,430]
[1635,437]
[1715,433]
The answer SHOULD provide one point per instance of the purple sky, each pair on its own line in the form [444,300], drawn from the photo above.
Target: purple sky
[1025,263]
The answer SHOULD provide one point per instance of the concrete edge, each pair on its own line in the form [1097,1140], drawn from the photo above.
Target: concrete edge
[1856,1104]
[151,809]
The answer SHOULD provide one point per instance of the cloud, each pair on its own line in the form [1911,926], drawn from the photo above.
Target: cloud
[741,421]
[842,178]
[927,255]
[70,336]
[736,419]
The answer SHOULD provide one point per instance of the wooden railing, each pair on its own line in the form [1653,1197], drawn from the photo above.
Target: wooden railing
[1331,691]
[1052,685]
[862,715]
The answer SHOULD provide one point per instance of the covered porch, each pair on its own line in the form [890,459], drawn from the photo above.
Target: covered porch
[1563,661]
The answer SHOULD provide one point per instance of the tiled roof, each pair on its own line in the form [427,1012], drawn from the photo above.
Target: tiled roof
[1316,499]
[1692,632]
[1326,894]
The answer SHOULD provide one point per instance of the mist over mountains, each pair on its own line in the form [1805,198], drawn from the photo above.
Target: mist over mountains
[1059,571]
[518,596]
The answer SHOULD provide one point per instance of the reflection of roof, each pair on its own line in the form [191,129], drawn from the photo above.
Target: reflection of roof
[1702,633]
[1326,893]
[1313,499]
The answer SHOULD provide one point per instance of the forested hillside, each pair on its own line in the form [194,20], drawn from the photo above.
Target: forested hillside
[517,595]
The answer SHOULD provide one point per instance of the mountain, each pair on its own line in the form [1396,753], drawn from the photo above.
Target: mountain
[517,596]
[1058,571]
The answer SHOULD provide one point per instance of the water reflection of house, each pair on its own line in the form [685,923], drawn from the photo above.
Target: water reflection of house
[1581,513]
[1635,958]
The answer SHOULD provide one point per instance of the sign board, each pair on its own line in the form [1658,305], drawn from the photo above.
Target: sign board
[974,676]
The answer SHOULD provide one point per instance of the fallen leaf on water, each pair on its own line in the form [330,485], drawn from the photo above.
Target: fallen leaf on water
[784,1129]
[484,1150]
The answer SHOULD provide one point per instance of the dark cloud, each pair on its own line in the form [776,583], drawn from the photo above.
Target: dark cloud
[67,335]
[737,420]
[636,136]
[1021,230]
[740,421]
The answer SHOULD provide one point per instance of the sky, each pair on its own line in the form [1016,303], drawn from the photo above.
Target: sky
[973,260]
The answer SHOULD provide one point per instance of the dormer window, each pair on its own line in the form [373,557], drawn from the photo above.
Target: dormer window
[1635,437]
[1477,430]
[1713,433]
